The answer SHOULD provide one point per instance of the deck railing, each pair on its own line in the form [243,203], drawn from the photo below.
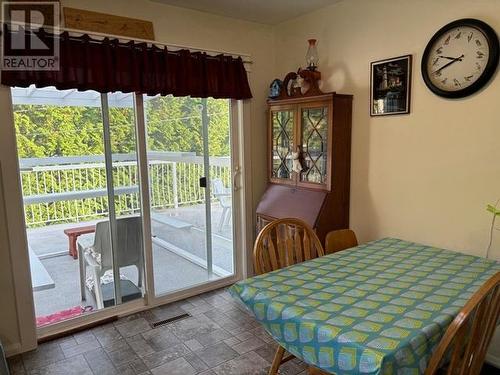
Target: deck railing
[73,189]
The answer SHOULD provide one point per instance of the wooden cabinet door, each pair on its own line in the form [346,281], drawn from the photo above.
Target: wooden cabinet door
[282,141]
[315,131]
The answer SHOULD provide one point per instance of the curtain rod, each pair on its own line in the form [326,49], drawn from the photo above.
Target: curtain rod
[246,60]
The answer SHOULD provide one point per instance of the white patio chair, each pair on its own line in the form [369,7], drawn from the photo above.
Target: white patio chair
[223,195]
[98,258]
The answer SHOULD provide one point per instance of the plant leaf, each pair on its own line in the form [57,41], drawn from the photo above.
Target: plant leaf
[495,211]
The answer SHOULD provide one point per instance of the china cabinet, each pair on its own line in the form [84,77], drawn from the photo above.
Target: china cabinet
[309,152]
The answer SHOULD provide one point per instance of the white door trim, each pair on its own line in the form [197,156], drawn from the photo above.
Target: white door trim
[16,228]
[243,114]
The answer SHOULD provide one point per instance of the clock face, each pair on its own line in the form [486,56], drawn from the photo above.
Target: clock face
[460,58]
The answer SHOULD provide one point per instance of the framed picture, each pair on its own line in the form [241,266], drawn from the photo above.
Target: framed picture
[390,82]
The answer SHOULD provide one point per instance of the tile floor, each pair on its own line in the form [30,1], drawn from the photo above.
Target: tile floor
[220,338]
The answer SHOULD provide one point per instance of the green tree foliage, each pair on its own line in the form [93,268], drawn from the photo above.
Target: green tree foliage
[44,131]
[173,124]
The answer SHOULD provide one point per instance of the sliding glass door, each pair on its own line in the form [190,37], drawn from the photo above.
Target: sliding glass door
[78,170]
[84,187]
[189,164]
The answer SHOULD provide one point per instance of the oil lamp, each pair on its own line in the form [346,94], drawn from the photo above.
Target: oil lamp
[312,58]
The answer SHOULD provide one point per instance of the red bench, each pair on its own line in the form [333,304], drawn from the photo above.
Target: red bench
[73,234]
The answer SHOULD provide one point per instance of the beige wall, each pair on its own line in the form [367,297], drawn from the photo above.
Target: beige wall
[172,25]
[427,176]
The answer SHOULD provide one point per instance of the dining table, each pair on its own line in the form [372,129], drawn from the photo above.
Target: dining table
[378,308]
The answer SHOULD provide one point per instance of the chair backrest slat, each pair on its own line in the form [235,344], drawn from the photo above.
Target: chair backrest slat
[492,306]
[281,247]
[296,245]
[307,247]
[456,357]
[272,255]
[468,336]
[290,245]
[283,243]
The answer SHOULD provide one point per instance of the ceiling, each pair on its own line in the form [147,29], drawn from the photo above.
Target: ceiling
[270,12]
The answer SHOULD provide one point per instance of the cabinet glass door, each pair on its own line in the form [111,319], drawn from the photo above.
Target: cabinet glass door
[282,135]
[314,141]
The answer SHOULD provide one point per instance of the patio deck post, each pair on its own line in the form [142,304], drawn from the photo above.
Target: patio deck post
[174,185]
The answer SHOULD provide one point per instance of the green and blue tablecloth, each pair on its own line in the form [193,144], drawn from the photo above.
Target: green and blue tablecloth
[379,308]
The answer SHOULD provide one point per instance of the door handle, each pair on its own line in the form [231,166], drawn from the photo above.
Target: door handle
[203,182]
[237,171]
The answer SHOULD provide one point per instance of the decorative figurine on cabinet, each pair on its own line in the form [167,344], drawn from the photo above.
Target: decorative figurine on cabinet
[298,161]
[275,88]
[303,83]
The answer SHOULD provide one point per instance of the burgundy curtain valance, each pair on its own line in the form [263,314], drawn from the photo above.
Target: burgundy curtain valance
[108,65]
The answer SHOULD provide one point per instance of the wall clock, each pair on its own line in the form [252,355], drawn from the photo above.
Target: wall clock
[460,58]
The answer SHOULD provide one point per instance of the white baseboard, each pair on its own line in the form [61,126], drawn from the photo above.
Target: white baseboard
[12,349]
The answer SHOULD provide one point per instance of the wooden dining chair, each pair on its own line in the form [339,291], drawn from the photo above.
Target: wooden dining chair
[341,239]
[466,340]
[282,243]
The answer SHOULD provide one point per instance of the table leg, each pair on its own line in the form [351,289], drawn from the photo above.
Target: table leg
[72,246]
[278,357]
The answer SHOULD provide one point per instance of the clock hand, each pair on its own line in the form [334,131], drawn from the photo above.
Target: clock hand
[450,58]
[451,62]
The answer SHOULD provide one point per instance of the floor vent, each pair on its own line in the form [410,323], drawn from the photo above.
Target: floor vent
[170,320]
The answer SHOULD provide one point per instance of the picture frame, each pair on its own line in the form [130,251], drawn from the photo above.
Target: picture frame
[390,86]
